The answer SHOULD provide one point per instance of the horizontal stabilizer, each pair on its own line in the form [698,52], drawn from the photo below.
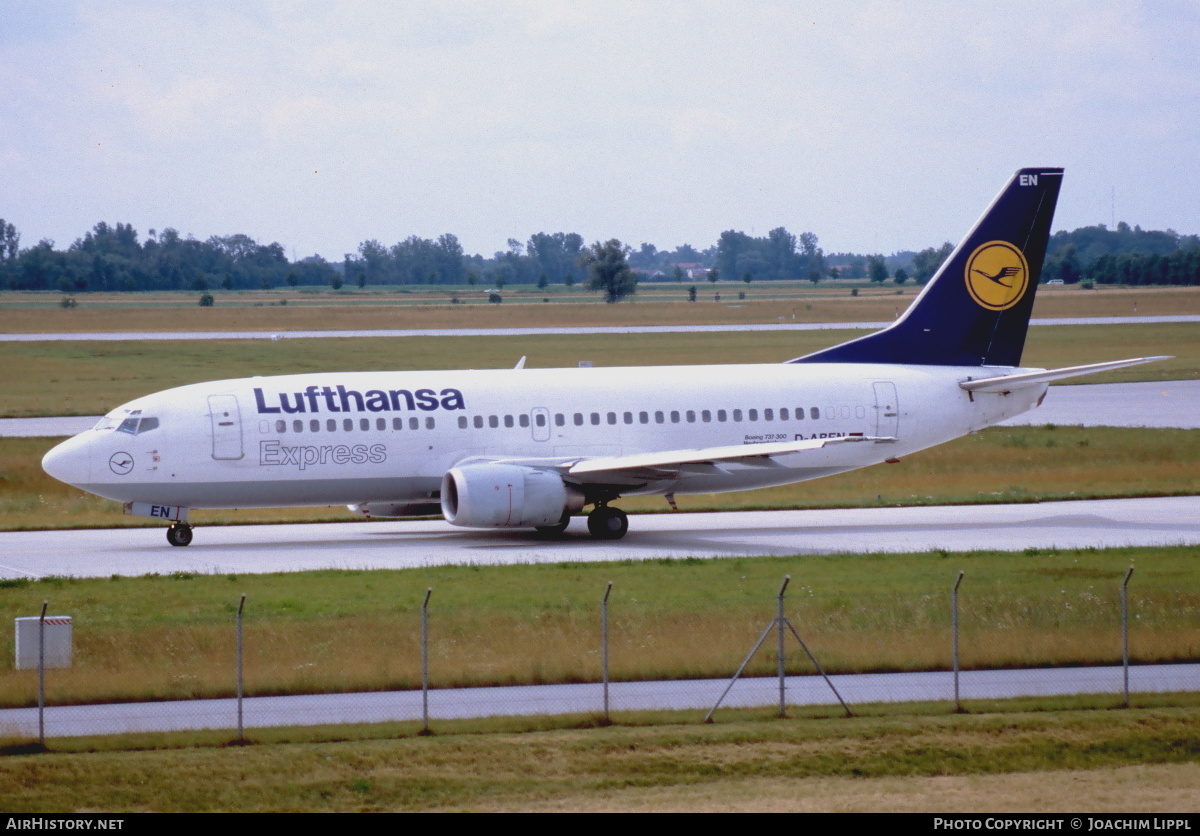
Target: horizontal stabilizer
[672,458]
[1018,381]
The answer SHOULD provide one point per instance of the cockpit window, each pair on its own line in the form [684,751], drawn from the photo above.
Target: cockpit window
[137,426]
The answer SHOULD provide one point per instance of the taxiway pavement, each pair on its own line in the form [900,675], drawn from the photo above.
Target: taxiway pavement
[695,694]
[403,544]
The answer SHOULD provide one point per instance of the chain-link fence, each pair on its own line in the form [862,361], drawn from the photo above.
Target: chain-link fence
[611,655]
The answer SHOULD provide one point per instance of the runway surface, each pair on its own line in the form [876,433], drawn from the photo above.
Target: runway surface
[1171,403]
[396,545]
[700,695]
[522,332]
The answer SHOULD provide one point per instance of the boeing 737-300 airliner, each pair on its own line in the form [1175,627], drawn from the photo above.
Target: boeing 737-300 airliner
[526,448]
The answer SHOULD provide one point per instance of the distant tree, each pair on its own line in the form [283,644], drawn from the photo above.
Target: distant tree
[927,261]
[876,269]
[692,293]
[293,279]
[609,271]
[833,273]
[901,276]
[335,281]
[542,281]
[227,282]
[678,273]
[713,275]
[362,281]
[206,301]
[747,277]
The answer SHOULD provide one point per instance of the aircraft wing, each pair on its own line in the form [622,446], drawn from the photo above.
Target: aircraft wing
[1012,382]
[664,464]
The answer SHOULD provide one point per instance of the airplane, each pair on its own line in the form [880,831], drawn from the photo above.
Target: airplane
[530,448]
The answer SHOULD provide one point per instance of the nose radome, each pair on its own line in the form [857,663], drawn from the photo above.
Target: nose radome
[69,462]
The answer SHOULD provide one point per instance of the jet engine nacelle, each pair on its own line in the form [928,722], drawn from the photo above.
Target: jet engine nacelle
[506,496]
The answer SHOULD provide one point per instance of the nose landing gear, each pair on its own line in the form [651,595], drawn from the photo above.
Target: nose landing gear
[607,523]
[179,534]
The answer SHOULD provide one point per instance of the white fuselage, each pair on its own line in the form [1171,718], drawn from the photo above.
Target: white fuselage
[389,437]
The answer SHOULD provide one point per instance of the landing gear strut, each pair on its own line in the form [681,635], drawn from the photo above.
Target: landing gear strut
[607,523]
[179,534]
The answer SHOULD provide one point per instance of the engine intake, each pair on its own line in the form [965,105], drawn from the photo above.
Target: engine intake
[506,496]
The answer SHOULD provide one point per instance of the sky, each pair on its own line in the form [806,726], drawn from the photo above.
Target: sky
[879,126]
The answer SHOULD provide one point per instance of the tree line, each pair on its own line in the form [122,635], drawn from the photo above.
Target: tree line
[112,258]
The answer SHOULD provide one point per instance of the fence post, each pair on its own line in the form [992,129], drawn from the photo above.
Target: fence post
[604,645]
[42,676]
[954,631]
[240,692]
[1125,631]
[781,666]
[425,662]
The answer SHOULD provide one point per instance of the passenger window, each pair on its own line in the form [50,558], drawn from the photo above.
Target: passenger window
[737,415]
[331,425]
[844,412]
[462,422]
[297,426]
[508,421]
[397,423]
[799,413]
[644,417]
[658,417]
[429,425]
[783,414]
[478,421]
[381,423]
[691,416]
[705,416]
[493,421]
[539,419]
[752,414]
[612,418]
[814,413]
[768,415]
[579,419]
[523,420]
[281,426]
[314,425]
[347,424]
[595,419]
[559,419]
[628,417]
[414,424]
[721,416]
[674,416]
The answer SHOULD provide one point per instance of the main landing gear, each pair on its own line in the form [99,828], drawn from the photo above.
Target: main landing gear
[607,523]
[179,534]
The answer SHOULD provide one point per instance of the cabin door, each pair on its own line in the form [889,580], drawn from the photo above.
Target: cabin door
[887,410]
[226,421]
[539,418]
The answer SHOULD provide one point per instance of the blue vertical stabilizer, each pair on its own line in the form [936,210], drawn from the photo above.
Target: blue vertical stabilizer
[975,310]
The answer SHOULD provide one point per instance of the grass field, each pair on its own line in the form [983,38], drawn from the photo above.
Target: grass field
[655,304]
[1071,760]
[999,464]
[89,378]
[171,637]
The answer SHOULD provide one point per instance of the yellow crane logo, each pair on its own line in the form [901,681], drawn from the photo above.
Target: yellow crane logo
[997,275]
